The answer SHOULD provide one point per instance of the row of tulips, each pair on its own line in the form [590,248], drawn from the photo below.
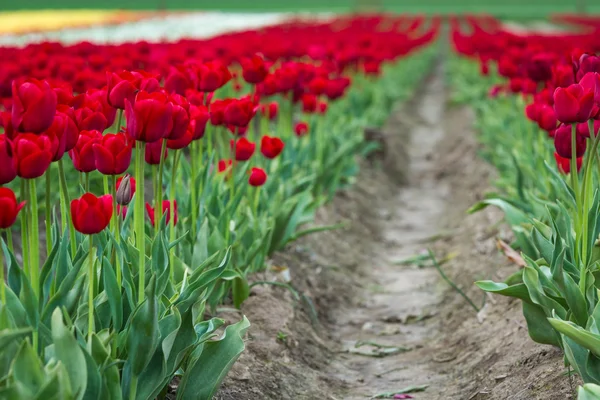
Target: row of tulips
[209,157]
[537,99]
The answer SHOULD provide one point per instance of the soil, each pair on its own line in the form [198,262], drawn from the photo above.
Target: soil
[353,290]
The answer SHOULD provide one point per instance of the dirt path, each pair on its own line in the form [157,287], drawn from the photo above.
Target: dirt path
[353,290]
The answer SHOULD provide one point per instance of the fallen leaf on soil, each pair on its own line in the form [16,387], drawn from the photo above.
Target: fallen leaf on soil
[376,349]
[406,390]
[510,253]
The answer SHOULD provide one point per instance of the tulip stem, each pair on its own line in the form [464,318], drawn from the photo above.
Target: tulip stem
[115,228]
[2,282]
[158,210]
[24,231]
[87,181]
[48,206]
[139,218]
[172,193]
[64,200]
[91,278]
[119,120]
[34,237]
[133,387]
[231,192]
[193,189]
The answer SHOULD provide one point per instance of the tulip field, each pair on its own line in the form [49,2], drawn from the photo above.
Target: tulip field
[270,206]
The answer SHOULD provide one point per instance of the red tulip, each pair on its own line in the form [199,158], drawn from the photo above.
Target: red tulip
[217,111]
[150,117]
[177,81]
[71,129]
[564,164]
[258,177]
[182,142]
[271,147]
[33,153]
[121,86]
[547,118]
[153,152]
[224,165]
[239,112]
[336,88]
[244,149]
[9,208]
[254,69]
[318,85]
[309,102]
[270,110]
[83,155]
[113,154]
[562,75]
[6,123]
[199,116]
[211,76]
[8,161]
[166,208]
[301,129]
[181,117]
[562,142]
[148,81]
[573,104]
[91,214]
[322,107]
[34,106]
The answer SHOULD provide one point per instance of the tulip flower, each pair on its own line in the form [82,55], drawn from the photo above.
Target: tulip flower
[563,75]
[148,81]
[83,154]
[125,188]
[254,69]
[34,106]
[178,81]
[217,111]
[91,214]
[244,149]
[181,117]
[224,165]
[71,129]
[153,152]
[239,113]
[336,88]
[6,123]
[318,85]
[271,147]
[9,208]
[258,177]
[309,102]
[564,164]
[573,104]
[121,86]
[301,129]
[8,161]
[183,141]
[269,110]
[113,154]
[211,76]
[33,154]
[150,117]
[587,63]
[562,142]
[166,208]
[199,116]
[583,129]
[322,107]
[546,118]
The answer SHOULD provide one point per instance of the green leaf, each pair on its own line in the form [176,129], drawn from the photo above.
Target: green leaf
[538,327]
[27,371]
[7,336]
[113,293]
[589,391]
[240,291]
[578,334]
[201,383]
[519,290]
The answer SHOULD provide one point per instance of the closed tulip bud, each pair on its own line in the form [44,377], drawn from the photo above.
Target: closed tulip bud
[573,104]
[71,129]
[9,208]
[270,110]
[301,129]
[547,118]
[8,161]
[121,86]
[34,106]
[150,117]
[113,154]
[153,152]
[562,142]
[309,102]
[33,153]
[271,147]
[217,111]
[83,156]
[258,177]
[181,117]
[91,214]
[239,112]
[211,76]
[244,149]
[182,142]
[125,189]
[254,69]
[199,117]
[166,209]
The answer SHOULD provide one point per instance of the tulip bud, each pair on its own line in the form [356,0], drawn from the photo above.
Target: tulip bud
[124,191]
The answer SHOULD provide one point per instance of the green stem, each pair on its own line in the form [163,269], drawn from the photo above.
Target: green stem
[34,237]
[25,230]
[9,238]
[2,282]
[575,185]
[193,190]
[91,279]
[139,218]
[48,207]
[158,211]
[119,120]
[449,281]
[231,193]
[115,228]
[133,387]
[64,200]
[172,193]
[87,181]
[154,187]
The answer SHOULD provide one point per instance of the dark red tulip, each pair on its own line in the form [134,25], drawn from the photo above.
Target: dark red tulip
[301,129]
[183,141]
[211,76]
[547,118]
[121,86]
[564,164]
[244,149]
[150,117]
[199,117]
[271,147]
[8,161]
[254,69]
[318,85]
[34,106]
[583,129]
[71,129]
[91,214]
[113,154]
[33,153]
[166,209]
[57,133]
[181,117]
[336,88]
[258,177]
[239,112]
[153,152]
[562,75]
[6,123]
[562,142]
[9,208]
[83,155]
[322,107]
[573,104]
[224,165]
[217,111]
[309,102]
[178,81]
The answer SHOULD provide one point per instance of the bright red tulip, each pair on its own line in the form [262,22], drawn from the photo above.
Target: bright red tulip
[258,177]
[34,106]
[182,142]
[573,104]
[150,117]
[211,76]
[91,214]
[301,129]
[181,117]
[309,102]
[8,161]
[153,152]
[199,117]
[564,164]
[71,129]
[83,155]
[244,149]
[166,209]
[239,112]
[33,153]
[121,86]
[271,147]
[224,165]
[217,111]
[547,118]
[113,154]
[269,110]
[254,69]
[9,208]
[562,142]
